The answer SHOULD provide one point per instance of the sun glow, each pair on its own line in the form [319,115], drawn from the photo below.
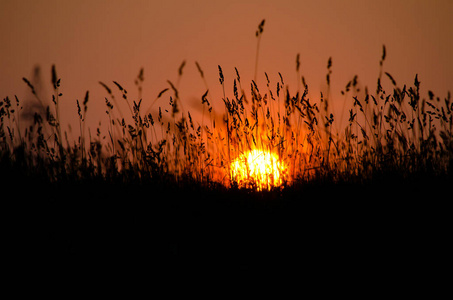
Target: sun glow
[258,169]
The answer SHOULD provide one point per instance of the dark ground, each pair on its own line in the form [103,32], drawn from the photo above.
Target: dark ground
[387,230]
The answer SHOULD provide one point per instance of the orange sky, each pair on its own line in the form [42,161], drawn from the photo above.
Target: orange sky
[91,41]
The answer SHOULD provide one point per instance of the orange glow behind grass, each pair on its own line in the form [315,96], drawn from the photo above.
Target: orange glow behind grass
[262,140]
[258,169]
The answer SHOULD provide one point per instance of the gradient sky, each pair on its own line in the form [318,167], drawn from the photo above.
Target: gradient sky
[91,41]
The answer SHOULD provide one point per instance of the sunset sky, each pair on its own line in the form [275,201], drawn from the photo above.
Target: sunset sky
[92,41]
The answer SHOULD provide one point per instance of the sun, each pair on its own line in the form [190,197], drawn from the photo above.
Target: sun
[258,169]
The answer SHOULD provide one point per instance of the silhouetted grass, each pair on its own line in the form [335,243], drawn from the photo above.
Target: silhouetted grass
[396,132]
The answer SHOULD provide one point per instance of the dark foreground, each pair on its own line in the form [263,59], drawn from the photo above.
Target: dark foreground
[390,232]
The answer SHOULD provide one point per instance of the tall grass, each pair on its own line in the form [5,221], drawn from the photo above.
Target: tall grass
[386,132]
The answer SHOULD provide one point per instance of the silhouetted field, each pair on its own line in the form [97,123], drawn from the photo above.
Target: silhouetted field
[155,192]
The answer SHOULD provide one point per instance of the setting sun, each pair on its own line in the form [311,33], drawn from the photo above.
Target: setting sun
[258,169]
